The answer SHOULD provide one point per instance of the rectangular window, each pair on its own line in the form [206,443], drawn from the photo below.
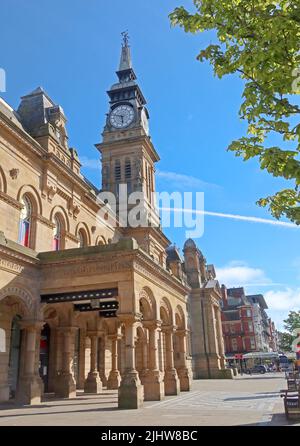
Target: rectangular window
[117,170]
[252,343]
[234,344]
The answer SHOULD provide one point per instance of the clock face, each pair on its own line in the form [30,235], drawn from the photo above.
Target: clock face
[145,122]
[122,116]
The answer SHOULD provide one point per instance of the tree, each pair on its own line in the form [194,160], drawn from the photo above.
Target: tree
[291,325]
[259,40]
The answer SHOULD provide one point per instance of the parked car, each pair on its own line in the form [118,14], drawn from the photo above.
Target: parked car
[256,369]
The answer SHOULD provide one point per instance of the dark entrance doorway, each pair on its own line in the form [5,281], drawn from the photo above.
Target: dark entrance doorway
[44,355]
[14,356]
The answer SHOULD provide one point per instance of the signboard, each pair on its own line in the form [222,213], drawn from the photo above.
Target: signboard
[238,356]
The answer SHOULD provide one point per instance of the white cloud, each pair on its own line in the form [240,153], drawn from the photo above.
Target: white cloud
[238,273]
[280,302]
[287,299]
[90,163]
[184,180]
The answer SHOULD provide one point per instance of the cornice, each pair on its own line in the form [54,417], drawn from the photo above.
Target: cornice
[146,266]
[13,254]
[45,221]
[15,203]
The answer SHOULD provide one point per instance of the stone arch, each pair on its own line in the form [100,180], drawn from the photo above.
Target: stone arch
[33,196]
[100,240]
[180,318]
[84,228]
[147,302]
[23,296]
[3,182]
[60,211]
[166,314]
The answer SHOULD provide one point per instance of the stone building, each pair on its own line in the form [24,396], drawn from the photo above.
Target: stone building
[85,301]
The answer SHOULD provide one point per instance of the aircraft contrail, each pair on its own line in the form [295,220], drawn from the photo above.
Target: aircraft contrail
[234,217]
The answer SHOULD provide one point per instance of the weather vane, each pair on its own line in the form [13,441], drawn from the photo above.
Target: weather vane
[125,36]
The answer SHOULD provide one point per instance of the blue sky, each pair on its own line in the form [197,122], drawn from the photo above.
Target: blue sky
[72,49]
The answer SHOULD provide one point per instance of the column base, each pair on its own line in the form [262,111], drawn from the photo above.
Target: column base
[114,380]
[65,386]
[153,386]
[184,379]
[131,392]
[4,393]
[171,382]
[93,383]
[29,390]
[103,378]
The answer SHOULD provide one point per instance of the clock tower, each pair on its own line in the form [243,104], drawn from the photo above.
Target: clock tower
[128,155]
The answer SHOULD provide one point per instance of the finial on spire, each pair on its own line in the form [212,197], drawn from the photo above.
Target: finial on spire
[125,62]
[125,36]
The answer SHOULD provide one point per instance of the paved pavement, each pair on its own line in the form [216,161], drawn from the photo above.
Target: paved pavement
[248,400]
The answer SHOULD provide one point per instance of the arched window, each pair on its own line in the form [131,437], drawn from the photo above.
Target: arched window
[82,238]
[25,222]
[57,234]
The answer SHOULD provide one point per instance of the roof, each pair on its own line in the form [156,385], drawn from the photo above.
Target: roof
[190,244]
[10,113]
[211,284]
[173,254]
[238,292]
[258,299]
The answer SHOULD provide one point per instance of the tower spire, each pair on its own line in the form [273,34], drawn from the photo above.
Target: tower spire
[125,62]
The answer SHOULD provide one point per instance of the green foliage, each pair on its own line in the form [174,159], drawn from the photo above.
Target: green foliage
[291,325]
[292,322]
[260,41]
[285,343]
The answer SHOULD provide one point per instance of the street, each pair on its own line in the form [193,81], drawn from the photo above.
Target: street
[247,400]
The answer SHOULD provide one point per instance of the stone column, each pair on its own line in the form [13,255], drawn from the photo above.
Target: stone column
[66,386]
[30,384]
[153,382]
[101,365]
[93,382]
[227,373]
[182,369]
[220,336]
[131,391]
[171,381]
[114,378]
[145,354]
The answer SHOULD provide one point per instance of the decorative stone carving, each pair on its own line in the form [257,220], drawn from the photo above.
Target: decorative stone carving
[74,207]
[49,187]
[24,295]
[14,173]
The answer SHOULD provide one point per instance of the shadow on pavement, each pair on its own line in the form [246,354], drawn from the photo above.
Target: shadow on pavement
[261,377]
[256,397]
[104,409]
